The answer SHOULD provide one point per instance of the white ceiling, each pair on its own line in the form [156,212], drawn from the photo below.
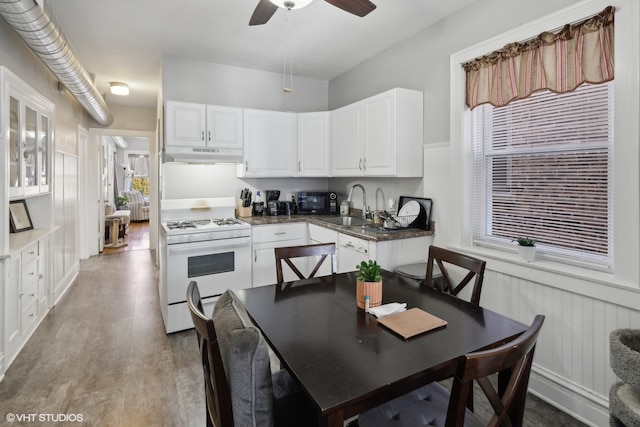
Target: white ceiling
[123,40]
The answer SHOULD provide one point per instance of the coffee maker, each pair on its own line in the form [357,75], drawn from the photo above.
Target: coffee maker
[272,206]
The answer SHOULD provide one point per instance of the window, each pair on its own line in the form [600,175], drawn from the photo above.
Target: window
[542,169]
[139,173]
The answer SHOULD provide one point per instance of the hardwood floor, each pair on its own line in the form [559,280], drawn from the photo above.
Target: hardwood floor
[102,354]
[137,238]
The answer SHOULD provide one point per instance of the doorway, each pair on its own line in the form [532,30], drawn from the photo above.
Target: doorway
[106,176]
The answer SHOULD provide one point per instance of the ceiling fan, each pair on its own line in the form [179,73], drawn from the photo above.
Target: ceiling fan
[266,8]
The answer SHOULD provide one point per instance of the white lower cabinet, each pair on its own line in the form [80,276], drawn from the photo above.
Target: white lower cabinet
[265,238]
[24,303]
[317,235]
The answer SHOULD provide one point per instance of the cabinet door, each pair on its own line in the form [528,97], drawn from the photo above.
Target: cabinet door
[380,135]
[44,158]
[346,141]
[12,309]
[185,124]
[30,153]
[15,148]
[264,263]
[269,143]
[313,144]
[224,127]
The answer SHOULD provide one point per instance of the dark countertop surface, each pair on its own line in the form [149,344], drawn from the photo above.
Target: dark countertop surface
[367,232]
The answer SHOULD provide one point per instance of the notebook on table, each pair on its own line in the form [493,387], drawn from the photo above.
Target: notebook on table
[412,322]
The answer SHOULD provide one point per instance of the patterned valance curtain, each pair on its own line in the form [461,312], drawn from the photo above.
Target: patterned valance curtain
[558,61]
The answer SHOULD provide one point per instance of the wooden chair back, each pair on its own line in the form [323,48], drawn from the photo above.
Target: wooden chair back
[217,394]
[513,363]
[474,265]
[324,250]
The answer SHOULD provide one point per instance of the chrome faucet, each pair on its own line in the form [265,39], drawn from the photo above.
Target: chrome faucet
[365,210]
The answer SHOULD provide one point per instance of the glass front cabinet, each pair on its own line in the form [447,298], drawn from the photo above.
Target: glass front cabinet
[29,142]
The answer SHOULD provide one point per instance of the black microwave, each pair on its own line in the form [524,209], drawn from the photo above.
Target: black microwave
[317,203]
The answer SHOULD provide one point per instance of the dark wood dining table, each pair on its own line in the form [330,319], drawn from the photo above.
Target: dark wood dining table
[345,361]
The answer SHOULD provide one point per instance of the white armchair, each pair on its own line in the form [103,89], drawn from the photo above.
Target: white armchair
[138,206]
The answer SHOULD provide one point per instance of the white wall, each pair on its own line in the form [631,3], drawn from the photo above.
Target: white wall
[571,368]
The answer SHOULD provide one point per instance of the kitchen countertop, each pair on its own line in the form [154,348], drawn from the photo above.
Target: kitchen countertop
[364,232]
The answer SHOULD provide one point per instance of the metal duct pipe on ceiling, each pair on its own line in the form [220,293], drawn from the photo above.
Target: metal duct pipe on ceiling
[40,32]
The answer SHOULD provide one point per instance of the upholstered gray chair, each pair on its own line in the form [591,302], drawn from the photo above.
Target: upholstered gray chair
[240,389]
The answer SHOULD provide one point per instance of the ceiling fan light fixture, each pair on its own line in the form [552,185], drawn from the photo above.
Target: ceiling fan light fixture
[291,4]
[119,88]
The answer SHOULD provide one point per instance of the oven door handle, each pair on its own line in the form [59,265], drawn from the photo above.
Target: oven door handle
[210,245]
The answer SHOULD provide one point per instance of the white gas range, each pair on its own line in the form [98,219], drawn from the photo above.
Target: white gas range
[200,240]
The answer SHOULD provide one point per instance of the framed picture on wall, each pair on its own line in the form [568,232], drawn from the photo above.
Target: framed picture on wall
[19,216]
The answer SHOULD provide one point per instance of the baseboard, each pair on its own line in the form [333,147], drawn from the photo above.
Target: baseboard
[580,403]
[65,284]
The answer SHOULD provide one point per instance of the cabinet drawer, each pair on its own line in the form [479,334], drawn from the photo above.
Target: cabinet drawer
[30,274]
[29,316]
[29,294]
[279,232]
[30,253]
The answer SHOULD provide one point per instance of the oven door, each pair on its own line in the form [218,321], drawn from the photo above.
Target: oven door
[216,265]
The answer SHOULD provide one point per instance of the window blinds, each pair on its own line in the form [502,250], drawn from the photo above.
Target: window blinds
[542,169]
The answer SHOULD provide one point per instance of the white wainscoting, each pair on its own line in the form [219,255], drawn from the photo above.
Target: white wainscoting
[571,363]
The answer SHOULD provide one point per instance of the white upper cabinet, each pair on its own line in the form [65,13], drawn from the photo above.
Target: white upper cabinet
[379,136]
[29,140]
[193,130]
[269,144]
[313,144]
[186,124]
[346,141]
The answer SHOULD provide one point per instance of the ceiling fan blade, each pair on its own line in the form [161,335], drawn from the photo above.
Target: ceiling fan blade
[357,7]
[264,11]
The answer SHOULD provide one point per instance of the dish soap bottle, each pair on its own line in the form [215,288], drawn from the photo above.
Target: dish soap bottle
[344,208]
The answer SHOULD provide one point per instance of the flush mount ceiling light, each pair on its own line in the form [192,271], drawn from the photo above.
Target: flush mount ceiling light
[118,88]
[289,4]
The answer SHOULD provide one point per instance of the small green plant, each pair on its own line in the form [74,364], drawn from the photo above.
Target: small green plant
[121,201]
[525,241]
[369,271]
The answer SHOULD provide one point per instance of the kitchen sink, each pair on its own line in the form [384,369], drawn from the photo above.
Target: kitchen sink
[345,221]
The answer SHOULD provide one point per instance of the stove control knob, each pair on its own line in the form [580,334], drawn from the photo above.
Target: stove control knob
[190,238]
[211,236]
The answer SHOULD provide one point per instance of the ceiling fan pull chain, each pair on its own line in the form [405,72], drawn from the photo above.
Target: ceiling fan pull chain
[287,57]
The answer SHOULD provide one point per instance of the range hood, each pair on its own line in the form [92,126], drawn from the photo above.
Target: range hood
[202,155]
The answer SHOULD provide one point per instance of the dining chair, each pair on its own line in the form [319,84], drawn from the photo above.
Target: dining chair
[286,253]
[444,259]
[240,389]
[433,405]
[216,387]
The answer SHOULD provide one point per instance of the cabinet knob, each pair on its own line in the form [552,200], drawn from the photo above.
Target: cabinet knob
[209,135]
[246,165]
[360,164]
[41,276]
[364,164]
[203,136]
[255,256]
[299,166]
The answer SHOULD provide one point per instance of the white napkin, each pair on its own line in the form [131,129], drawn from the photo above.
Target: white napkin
[387,309]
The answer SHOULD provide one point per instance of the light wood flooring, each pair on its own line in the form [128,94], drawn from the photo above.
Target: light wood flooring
[137,238]
[102,354]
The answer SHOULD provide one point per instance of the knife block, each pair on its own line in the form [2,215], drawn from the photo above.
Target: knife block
[242,211]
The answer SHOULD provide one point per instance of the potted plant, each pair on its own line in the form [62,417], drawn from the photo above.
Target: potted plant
[368,283]
[526,248]
[121,202]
